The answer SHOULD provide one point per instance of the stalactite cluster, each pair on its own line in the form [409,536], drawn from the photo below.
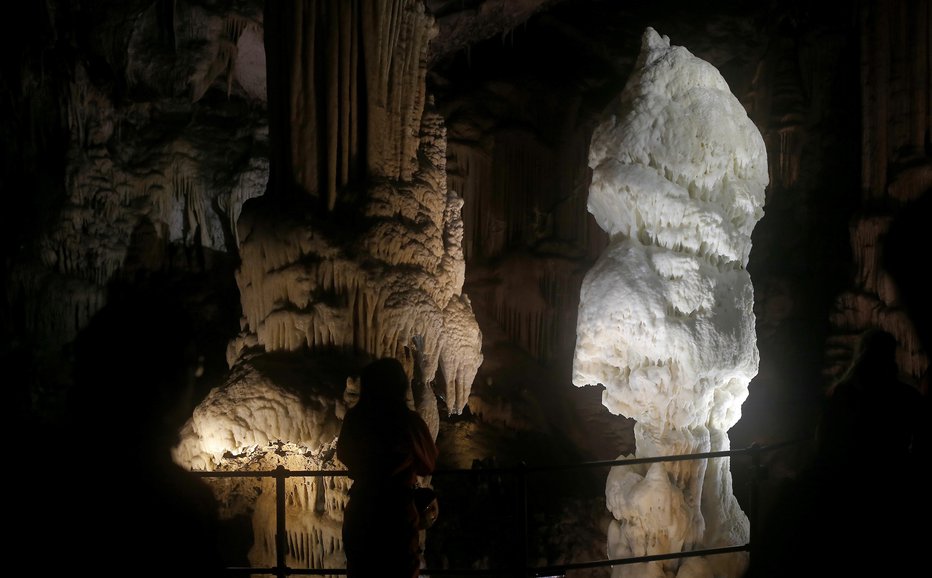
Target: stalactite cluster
[314,521]
[401,276]
[895,56]
[326,99]
[357,92]
[513,177]
[301,289]
[469,174]
[314,505]
[110,201]
[396,34]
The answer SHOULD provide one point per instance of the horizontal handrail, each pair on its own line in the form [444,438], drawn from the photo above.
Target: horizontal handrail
[280,473]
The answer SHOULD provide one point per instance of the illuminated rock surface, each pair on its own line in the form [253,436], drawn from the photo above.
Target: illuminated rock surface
[387,281]
[313,508]
[666,320]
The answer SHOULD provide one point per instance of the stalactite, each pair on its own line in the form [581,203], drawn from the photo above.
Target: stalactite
[346,79]
[395,37]
[789,155]
[875,56]
[377,38]
[906,81]
[921,80]
[325,139]
[304,122]
[226,54]
[866,236]
[333,103]
[76,106]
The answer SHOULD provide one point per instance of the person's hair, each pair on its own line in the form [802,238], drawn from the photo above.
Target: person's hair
[384,382]
[874,357]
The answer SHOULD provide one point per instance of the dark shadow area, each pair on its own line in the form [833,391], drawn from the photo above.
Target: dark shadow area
[104,490]
[860,505]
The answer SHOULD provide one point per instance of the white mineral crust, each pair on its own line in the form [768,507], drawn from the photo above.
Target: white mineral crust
[666,319]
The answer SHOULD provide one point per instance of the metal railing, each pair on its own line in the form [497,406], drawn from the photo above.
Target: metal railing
[280,474]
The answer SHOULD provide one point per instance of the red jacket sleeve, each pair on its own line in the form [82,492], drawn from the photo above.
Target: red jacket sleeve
[424,449]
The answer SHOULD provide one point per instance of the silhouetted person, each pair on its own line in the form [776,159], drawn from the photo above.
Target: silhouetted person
[867,468]
[859,508]
[385,446]
[869,412]
[123,506]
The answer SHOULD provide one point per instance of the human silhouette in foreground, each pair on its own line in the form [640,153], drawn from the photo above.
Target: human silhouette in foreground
[869,411]
[859,508]
[868,458]
[122,506]
[385,446]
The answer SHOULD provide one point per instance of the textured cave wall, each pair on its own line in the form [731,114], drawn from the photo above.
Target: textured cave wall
[895,182]
[849,181]
[136,131]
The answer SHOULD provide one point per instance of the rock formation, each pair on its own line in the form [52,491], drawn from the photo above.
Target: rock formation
[666,319]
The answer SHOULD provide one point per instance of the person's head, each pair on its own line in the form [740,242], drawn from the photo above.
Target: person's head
[384,382]
[875,354]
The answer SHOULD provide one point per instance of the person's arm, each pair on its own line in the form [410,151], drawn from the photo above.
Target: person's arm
[425,450]
[415,452]
[348,443]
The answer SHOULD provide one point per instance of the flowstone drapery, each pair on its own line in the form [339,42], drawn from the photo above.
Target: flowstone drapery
[666,319]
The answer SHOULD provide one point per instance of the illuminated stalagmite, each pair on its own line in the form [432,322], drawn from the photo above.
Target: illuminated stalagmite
[302,290]
[666,319]
[397,272]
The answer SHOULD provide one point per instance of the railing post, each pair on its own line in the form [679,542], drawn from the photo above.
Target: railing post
[522,504]
[753,506]
[280,536]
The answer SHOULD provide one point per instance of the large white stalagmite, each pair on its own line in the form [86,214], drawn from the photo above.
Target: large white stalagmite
[666,320]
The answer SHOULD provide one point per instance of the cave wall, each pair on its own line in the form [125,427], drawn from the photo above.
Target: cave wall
[133,134]
[135,131]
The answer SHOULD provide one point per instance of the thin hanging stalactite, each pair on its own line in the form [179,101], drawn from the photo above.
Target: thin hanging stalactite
[354,92]
[333,105]
[347,10]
